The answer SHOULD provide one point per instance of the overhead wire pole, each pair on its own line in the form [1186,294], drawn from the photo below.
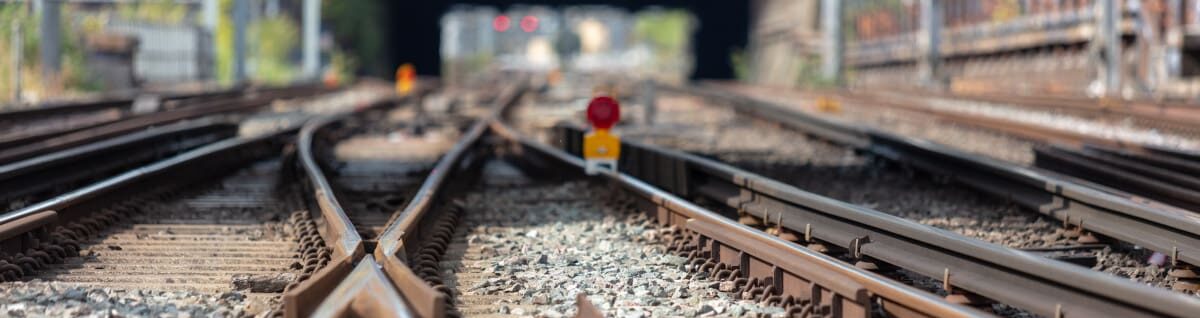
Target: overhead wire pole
[49,33]
[212,12]
[831,27]
[930,42]
[1174,38]
[312,28]
[1110,19]
[241,17]
[17,46]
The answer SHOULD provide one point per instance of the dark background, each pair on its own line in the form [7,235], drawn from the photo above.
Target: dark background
[412,32]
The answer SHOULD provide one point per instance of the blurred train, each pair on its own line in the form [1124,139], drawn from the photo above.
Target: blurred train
[1007,46]
[592,39]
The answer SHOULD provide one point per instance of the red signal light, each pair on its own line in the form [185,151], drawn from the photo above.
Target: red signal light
[529,23]
[603,112]
[501,23]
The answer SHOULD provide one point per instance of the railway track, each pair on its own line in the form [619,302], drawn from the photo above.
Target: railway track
[414,247]
[1120,213]
[34,138]
[39,178]
[159,227]
[1133,171]
[766,203]
[53,118]
[223,223]
[490,230]
[1167,115]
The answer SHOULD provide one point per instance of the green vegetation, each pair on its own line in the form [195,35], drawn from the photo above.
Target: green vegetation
[667,34]
[740,64]
[73,76]
[810,75]
[358,28]
[272,39]
[667,31]
[223,39]
[160,11]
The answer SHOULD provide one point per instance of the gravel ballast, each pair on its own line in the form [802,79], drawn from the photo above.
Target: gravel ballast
[529,250]
[41,299]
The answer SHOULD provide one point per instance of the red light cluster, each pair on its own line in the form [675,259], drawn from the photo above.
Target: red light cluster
[529,23]
[501,23]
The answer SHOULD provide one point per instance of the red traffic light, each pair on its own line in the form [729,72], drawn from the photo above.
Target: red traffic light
[529,23]
[501,23]
[603,112]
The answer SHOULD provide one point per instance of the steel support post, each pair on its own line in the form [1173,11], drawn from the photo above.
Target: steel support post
[649,96]
[212,13]
[930,42]
[241,18]
[1109,20]
[831,27]
[18,46]
[312,29]
[1174,54]
[49,34]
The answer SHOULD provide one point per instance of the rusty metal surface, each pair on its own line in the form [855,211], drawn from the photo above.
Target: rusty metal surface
[795,272]
[1018,278]
[25,145]
[120,100]
[1176,116]
[339,232]
[391,251]
[78,196]
[1114,214]
[31,179]
[365,292]
[1128,172]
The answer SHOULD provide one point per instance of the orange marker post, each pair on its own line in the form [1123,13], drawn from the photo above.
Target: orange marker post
[406,76]
[601,148]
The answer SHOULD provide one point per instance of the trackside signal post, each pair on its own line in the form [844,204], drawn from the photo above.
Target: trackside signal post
[601,148]
[406,75]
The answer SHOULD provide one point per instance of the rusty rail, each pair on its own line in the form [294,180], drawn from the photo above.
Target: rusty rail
[1165,179]
[92,161]
[18,147]
[791,270]
[122,100]
[1160,228]
[392,251]
[340,274]
[38,234]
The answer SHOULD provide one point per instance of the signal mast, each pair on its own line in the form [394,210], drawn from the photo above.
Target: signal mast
[601,148]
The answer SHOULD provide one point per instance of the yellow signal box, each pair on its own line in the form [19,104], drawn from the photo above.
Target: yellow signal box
[600,150]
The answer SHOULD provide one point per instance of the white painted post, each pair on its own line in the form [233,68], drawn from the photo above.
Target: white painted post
[312,29]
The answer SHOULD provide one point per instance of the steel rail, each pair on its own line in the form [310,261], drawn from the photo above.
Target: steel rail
[795,270]
[341,273]
[391,250]
[123,101]
[1131,174]
[95,160]
[73,155]
[1152,226]
[1177,115]
[1101,210]
[1041,285]
[131,177]
[21,146]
